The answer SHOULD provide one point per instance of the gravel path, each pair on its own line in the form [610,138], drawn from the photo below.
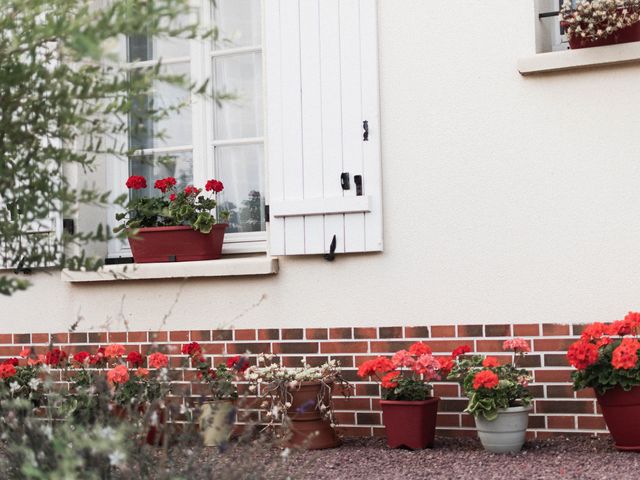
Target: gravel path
[358,458]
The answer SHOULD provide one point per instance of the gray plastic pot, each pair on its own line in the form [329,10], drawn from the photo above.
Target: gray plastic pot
[505,434]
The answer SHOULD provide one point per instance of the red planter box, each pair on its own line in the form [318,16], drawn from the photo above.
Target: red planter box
[621,411]
[176,244]
[410,424]
[625,35]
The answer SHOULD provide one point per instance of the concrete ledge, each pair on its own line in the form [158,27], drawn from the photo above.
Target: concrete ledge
[580,59]
[227,267]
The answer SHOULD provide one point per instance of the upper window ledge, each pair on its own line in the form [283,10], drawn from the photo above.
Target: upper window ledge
[578,59]
[228,267]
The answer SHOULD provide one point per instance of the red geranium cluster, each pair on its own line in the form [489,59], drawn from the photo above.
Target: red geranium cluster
[214,186]
[136,182]
[485,379]
[165,184]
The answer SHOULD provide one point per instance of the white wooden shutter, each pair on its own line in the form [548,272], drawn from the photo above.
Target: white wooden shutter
[321,63]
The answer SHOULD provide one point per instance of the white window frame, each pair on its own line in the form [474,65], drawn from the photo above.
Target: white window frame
[203,143]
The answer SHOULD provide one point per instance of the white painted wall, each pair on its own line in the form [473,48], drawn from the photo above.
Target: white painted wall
[506,199]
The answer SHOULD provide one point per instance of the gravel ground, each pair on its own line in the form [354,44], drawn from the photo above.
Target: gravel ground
[452,458]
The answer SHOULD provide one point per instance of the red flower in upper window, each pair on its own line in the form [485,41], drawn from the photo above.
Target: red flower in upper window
[191,190]
[214,185]
[485,379]
[165,184]
[136,182]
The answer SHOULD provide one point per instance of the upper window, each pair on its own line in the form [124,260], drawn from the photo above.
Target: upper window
[217,136]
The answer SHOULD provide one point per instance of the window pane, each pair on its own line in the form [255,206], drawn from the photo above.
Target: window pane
[238,22]
[240,168]
[240,76]
[174,130]
[154,167]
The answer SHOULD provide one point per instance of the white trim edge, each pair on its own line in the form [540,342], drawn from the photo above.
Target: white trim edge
[582,58]
[227,267]
[320,206]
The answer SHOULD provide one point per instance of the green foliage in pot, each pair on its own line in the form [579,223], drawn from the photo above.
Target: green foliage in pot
[492,386]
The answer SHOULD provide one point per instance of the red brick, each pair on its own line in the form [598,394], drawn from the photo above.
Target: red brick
[292,334]
[179,336]
[559,391]
[368,418]
[158,336]
[552,376]
[295,361]
[222,335]
[552,344]
[343,347]
[361,332]
[317,333]
[591,423]
[457,433]
[245,334]
[39,338]
[200,335]
[556,360]
[390,332]
[343,360]
[449,405]
[22,338]
[295,347]
[351,403]
[340,333]
[389,346]
[446,390]
[253,348]
[140,337]
[489,345]
[269,334]
[564,406]
[416,332]
[119,337]
[6,338]
[443,331]
[60,337]
[561,422]
[78,337]
[469,330]
[345,418]
[497,330]
[467,420]
[366,389]
[526,330]
[10,351]
[448,420]
[586,393]
[578,329]
[551,329]
[536,421]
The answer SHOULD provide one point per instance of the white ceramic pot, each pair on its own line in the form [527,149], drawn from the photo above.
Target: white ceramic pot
[505,434]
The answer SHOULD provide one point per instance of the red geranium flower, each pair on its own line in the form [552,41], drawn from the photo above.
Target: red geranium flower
[485,379]
[12,361]
[380,364]
[7,370]
[135,359]
[136,182]
[581,354]
[238,363]
[165,184]
[55,357]
[214,185]
[490,362]
[98,357]
[625,356]
[191,190]
[390,380]
[172,197]
[81,357]
[461,350]
[419,348]
[191,349]
[594,331]
[446,365]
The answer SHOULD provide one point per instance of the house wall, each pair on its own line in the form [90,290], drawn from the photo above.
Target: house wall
[508,200]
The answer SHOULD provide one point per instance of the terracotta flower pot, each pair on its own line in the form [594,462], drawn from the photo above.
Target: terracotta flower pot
[621,411]
[216,422]
[176,244]
[308,427]
[410,424]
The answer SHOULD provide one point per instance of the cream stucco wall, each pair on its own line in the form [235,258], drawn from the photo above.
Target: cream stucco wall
[506,199]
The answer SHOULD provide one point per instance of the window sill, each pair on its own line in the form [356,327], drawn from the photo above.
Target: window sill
[579,59]
[225,267]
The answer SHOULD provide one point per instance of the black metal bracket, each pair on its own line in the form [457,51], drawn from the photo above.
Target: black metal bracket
[329,257]
[267,213]
[344,181]
[357,179]
[365,133]
[549,14]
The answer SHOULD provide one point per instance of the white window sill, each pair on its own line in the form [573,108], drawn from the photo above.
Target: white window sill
[579,59]
[225,267]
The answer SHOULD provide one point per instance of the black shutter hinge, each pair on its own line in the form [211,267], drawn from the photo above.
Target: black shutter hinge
[69,225]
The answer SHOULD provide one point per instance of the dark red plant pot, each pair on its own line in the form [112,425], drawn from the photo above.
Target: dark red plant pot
[624,35]
[410,424]
[176,244]
[621,411]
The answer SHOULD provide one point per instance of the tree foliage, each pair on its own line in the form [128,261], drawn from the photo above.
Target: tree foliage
[65,101]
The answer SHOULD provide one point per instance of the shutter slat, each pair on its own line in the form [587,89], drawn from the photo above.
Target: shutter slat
[321,206]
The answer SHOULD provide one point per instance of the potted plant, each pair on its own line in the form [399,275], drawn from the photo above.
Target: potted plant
[595,23]
[299,399]
[409,411]
[606,359]
[176,226]
[218,415]
[498,396]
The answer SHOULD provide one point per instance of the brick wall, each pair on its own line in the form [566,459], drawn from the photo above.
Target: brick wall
[557,409]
